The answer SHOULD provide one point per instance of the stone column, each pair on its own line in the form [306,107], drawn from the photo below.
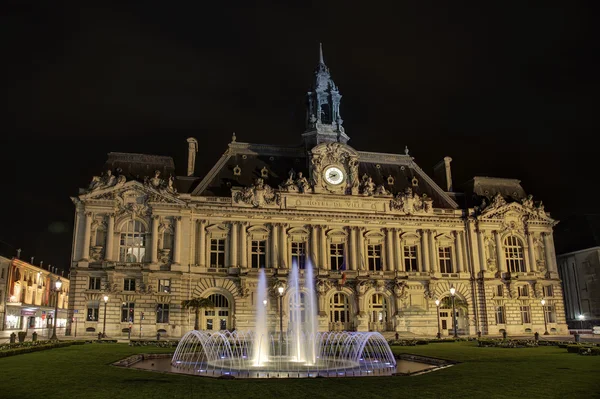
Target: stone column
[433,252]
[389,264]
[314,246]
[353,247]
[110,237]
[274,245]
[552,253]
[154,246]
[284,250]
[425,250]
[177,253]
[202,243]
[548,252]
[397,250]
[474,255]
[243,245]
[459,252]
[323,239]
[482,249]
[233,247]
[531,252]
[87,235]
[361,248]
[499,253]
[401,266]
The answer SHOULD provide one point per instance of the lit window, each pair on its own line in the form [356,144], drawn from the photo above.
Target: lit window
[133,242]
[374,257]
[410,258]
[258,254]
[92,310]
[513,251]
[378,312]
[339,308]
[445,260]
[164,285]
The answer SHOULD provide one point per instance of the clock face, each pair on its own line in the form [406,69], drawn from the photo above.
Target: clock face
[334,175]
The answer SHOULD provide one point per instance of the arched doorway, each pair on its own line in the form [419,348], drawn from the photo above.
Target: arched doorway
[219,317]
[446,322]
[339,312]
[377,309]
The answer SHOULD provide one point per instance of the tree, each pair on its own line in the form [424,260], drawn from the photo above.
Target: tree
[197,304]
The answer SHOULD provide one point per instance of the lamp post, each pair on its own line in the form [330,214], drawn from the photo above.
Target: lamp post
[104,320]
[437,305]
[581,319]
[545,321]
[280,289]
[57,285]
[452,292]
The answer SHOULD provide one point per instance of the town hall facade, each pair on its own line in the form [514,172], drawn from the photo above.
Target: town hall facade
[385,240]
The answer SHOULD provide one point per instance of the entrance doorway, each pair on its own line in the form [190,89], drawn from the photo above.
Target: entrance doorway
[219,317]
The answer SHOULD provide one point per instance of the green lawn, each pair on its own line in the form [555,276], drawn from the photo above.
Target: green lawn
[84,372]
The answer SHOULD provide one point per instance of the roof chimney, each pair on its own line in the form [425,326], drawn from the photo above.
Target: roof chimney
[192,150]
[443,174]
[42,264]
[31,263]
[19,253]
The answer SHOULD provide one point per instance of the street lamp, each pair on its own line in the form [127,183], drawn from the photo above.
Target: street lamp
[57,285]
[437,305]
[545,321]
[452,292]
[104,321]
[280,289]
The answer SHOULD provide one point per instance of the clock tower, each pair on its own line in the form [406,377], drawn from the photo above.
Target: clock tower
[323,119]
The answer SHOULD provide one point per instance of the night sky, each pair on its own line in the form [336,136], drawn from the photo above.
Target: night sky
[506,90]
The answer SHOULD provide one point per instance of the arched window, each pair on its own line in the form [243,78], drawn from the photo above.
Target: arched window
[132,246]
[339,312]
[378,315]
[513,252]
[297,308]
[218,318]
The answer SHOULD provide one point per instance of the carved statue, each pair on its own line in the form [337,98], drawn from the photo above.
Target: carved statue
[289,185]
[410,202]
[368,187]
[537,289]
[302,183]
[497,202]
[156,181]
[316,170]
[512,290]
[428,205]
[380,190]
[170,187]
[353,176]
[258,194]
[323,285]
[105,181]
[528,202]
[430,288]
[540,209]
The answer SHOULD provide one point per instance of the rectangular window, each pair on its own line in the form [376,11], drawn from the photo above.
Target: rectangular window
[93,310]
[374,257]
[550,313]
[500,319]
[525,314]
[129,284]
[410,258]
[128,312]
[217,252]
[94,283]
[258,254]
[336,255]
[445,260]
[299,254]
[209,313]
[162,313]
[523,291]
[164,285]
[500,290]
[548,291]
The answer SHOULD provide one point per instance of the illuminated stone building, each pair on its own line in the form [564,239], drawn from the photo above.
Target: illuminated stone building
[386,239]
[28,297]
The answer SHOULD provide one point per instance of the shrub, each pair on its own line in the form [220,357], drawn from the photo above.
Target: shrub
[163,343]
[28,347]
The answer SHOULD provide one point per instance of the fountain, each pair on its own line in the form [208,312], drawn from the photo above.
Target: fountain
[299,352]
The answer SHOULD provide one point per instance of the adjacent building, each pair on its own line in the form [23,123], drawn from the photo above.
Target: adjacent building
[579,269]
[385,239]
[28,297]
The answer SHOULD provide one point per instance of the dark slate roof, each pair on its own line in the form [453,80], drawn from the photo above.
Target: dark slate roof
[481,187]
[278,161]
[577,232]
[137,166]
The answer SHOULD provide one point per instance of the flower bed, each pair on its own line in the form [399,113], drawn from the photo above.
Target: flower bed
[507,343]
[33,346]
[163,343]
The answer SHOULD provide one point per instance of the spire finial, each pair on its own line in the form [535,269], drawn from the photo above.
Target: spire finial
[321,54]
[233,138]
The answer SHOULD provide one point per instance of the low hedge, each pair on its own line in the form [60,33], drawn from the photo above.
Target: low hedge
[101,341]
[164,343]
[586,350]
[507,343]
[407,342]
[35,346]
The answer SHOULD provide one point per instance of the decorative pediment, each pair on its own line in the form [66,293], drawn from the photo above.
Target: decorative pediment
[257,195]
[526,210]
[133,192]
